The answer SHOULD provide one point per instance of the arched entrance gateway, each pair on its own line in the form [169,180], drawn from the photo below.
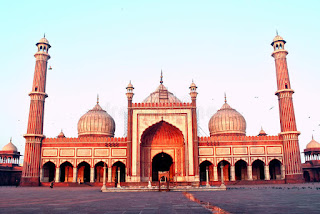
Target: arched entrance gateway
[83,172]
[162,150]
[66,169]
[48,171]
[162,162]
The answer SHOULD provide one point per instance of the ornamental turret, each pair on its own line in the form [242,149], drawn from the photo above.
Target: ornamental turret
[34,136]
[193,91]
[130,91]
[129,125]
[288,126]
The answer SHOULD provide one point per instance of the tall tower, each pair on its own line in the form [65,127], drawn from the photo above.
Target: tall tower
[289,131]
[193,95]
[34,136]
[129,134]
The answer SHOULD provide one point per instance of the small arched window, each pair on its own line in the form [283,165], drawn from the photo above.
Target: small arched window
[40,48]
[286,86]
[36,88]
[277,47]
[280,46]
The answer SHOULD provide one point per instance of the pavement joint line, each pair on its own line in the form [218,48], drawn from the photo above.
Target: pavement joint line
[207,205]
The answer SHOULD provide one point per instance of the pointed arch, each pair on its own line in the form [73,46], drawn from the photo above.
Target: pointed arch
[66,169]
[226,170]
[48,171]
[98,171]
[83,171]
[162,133]
[241,170]
[84,161]
[258,170]
[204,166]
[118,168]
[275,169]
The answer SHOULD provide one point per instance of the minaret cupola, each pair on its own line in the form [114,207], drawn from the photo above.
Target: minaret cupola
[278,43]
[43,45]
[193,90]
[130,91]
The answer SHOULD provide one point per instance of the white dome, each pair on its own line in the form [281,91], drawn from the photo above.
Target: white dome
[10,147]
[227,121]
[96,122]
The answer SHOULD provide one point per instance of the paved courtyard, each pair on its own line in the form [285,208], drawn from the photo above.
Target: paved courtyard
[238,199]
[303,198]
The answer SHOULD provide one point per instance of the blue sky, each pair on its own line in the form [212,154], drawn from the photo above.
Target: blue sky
[98,46]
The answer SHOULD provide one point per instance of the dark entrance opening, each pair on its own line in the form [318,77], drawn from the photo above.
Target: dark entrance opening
[306,176]
[258,170]
[162,162]
[84,172]
[203,170]
[275,169]
[119,166]
[99,172]
[241,170]
[48,171]
[66,172]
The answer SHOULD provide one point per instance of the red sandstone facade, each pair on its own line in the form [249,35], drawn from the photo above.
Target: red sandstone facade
[162,138]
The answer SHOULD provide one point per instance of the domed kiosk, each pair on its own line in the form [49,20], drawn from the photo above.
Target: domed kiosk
[96,122]
[311,167]
[9,165]
[227,121]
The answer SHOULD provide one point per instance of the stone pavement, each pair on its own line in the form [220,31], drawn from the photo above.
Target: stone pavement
[90,200]
[302,198]
[285,198]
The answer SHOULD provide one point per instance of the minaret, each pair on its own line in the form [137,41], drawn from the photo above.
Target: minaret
[289,131]
[129,134]
[193,95]
[34,136]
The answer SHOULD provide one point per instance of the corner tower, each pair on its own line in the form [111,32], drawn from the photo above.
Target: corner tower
[34,136]
[289,131]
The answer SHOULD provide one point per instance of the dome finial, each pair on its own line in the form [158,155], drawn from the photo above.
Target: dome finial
[161,78]
[11,139]
[312,136]
[44,35]
[277,32]
[97,98]
[225,97]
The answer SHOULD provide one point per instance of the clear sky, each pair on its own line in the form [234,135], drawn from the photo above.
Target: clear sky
[99,46]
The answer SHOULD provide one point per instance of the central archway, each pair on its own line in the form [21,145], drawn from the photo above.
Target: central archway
[162,162]
[164,140]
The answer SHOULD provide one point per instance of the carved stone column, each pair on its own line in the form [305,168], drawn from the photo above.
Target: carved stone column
[266,173]
[57,175]
[215,173]
[283,171]
[91,174]
[41,174]
[118,184]
[249,172]
[75,175]
[104,178]
[207,177]
[232,173]
[109,174]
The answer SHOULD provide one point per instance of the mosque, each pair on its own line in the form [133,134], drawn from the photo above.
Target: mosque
[162,141]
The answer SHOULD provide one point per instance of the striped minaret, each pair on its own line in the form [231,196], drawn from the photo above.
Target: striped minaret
[193,95]
[34,136]
[289,133]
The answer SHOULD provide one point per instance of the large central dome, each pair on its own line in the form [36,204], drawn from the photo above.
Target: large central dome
[96,122]
[161,95]
[227,121]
